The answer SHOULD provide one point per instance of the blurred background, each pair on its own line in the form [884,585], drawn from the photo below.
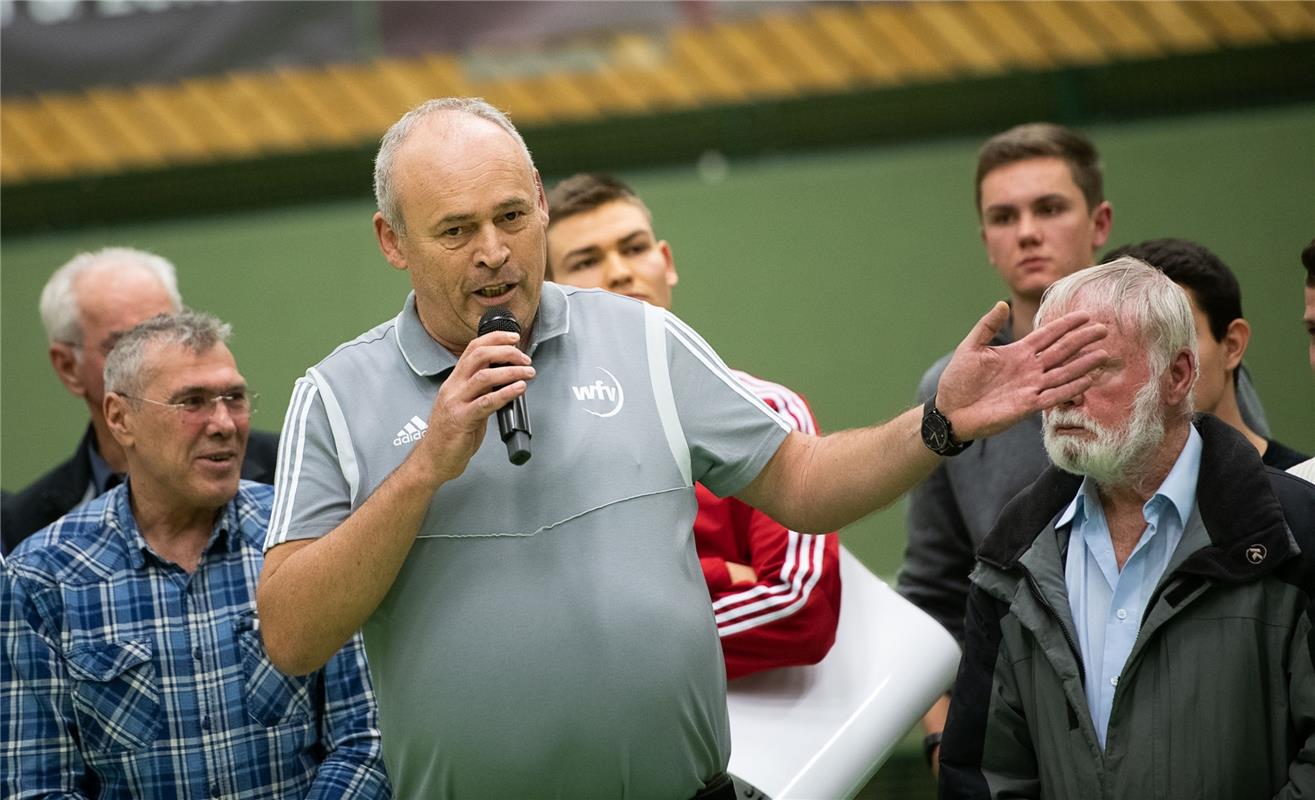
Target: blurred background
[811,165]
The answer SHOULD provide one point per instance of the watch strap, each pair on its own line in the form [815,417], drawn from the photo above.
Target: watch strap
[952,446]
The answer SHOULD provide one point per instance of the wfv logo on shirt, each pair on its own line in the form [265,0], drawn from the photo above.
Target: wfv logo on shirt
[602,398]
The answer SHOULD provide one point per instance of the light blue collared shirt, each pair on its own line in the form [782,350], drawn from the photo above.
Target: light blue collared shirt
[1108,604]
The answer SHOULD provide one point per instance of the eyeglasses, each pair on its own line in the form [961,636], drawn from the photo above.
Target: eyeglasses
[200,408]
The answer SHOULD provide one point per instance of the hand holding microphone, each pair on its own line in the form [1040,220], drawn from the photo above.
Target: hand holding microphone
[513,418]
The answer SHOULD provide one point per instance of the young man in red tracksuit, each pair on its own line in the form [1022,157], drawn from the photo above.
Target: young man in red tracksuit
[775,592]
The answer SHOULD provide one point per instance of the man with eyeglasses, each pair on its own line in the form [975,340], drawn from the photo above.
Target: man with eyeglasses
[133,656]
[85,305]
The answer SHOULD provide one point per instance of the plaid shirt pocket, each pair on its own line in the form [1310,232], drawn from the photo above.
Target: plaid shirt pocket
[272,698]
[115,696]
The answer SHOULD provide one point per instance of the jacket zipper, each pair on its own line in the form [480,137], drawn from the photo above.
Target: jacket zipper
[1073,646]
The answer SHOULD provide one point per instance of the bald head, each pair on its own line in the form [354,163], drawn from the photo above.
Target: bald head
[434,116]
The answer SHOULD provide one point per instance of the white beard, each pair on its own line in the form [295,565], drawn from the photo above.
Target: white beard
[1113,457]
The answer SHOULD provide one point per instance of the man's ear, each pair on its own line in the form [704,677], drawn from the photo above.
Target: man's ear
[1181,377]
[64,359]
[117,419]
[1235,341]
[665,249]
[541,196]
[1101,221]
[388,241]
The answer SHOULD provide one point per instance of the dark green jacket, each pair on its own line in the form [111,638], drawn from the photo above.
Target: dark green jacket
[1217,699]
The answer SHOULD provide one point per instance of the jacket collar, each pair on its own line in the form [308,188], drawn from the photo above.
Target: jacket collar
[74,487]
[427,357]
[1248,535]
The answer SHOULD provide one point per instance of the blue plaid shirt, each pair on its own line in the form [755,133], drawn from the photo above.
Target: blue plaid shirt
[122,676]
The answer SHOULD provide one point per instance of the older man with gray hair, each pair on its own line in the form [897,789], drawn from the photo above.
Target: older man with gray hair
[1138,621]
[85,306]
[138,668]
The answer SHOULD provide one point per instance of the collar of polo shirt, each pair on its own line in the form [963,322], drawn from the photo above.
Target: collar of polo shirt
[427,357]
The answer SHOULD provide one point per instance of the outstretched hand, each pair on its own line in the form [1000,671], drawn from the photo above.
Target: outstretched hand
[986,389]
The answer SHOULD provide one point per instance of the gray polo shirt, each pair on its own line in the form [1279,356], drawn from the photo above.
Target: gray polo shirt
[550,633]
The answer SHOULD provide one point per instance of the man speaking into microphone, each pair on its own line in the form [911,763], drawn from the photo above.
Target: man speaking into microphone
[543,629]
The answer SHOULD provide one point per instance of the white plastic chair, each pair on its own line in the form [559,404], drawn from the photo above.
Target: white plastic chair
[821,732]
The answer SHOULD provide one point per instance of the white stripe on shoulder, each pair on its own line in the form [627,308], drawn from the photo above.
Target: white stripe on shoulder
[288,471]
[698,348]
[342,435]
[782,398]
[659,377]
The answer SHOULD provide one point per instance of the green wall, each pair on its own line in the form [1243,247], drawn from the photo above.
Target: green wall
[842,274]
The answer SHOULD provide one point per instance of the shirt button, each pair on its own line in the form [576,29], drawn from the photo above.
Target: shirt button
[214,790]
[1122,613]
[1114,681]
[205,723]
[196,653]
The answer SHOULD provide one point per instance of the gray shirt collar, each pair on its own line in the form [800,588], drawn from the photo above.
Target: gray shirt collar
[427,357]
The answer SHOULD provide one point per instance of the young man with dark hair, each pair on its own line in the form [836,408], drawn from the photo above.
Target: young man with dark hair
[1042,213]
[775,592]
[1222,333]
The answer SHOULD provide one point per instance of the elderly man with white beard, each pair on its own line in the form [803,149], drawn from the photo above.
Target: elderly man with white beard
[1139,623]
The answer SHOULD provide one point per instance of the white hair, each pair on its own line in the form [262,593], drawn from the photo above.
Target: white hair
[59,301]
[1113,457]
[384,195]
[196,331]
[1134,294]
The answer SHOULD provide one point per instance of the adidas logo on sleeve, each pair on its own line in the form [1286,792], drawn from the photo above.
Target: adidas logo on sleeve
[412,431]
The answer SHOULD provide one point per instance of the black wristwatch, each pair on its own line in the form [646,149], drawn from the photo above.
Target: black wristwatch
[937,433]
[930,744]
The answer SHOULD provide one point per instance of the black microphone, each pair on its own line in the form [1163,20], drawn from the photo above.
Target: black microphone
[513,418]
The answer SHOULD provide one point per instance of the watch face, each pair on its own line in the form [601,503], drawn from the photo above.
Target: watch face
[934,433]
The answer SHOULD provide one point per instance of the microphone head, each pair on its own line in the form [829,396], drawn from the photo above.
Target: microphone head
[498,319]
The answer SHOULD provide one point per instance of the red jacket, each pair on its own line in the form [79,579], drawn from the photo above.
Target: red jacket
[789,616]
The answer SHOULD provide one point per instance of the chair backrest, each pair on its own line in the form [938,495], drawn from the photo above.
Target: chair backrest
[824,730]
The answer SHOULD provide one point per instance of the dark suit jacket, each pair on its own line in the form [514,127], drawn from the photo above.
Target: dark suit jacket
[56,493]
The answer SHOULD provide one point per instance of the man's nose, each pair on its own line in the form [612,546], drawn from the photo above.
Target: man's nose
[616,271]
[491,250]
[1073,402]
[221,420]
[1029,230]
